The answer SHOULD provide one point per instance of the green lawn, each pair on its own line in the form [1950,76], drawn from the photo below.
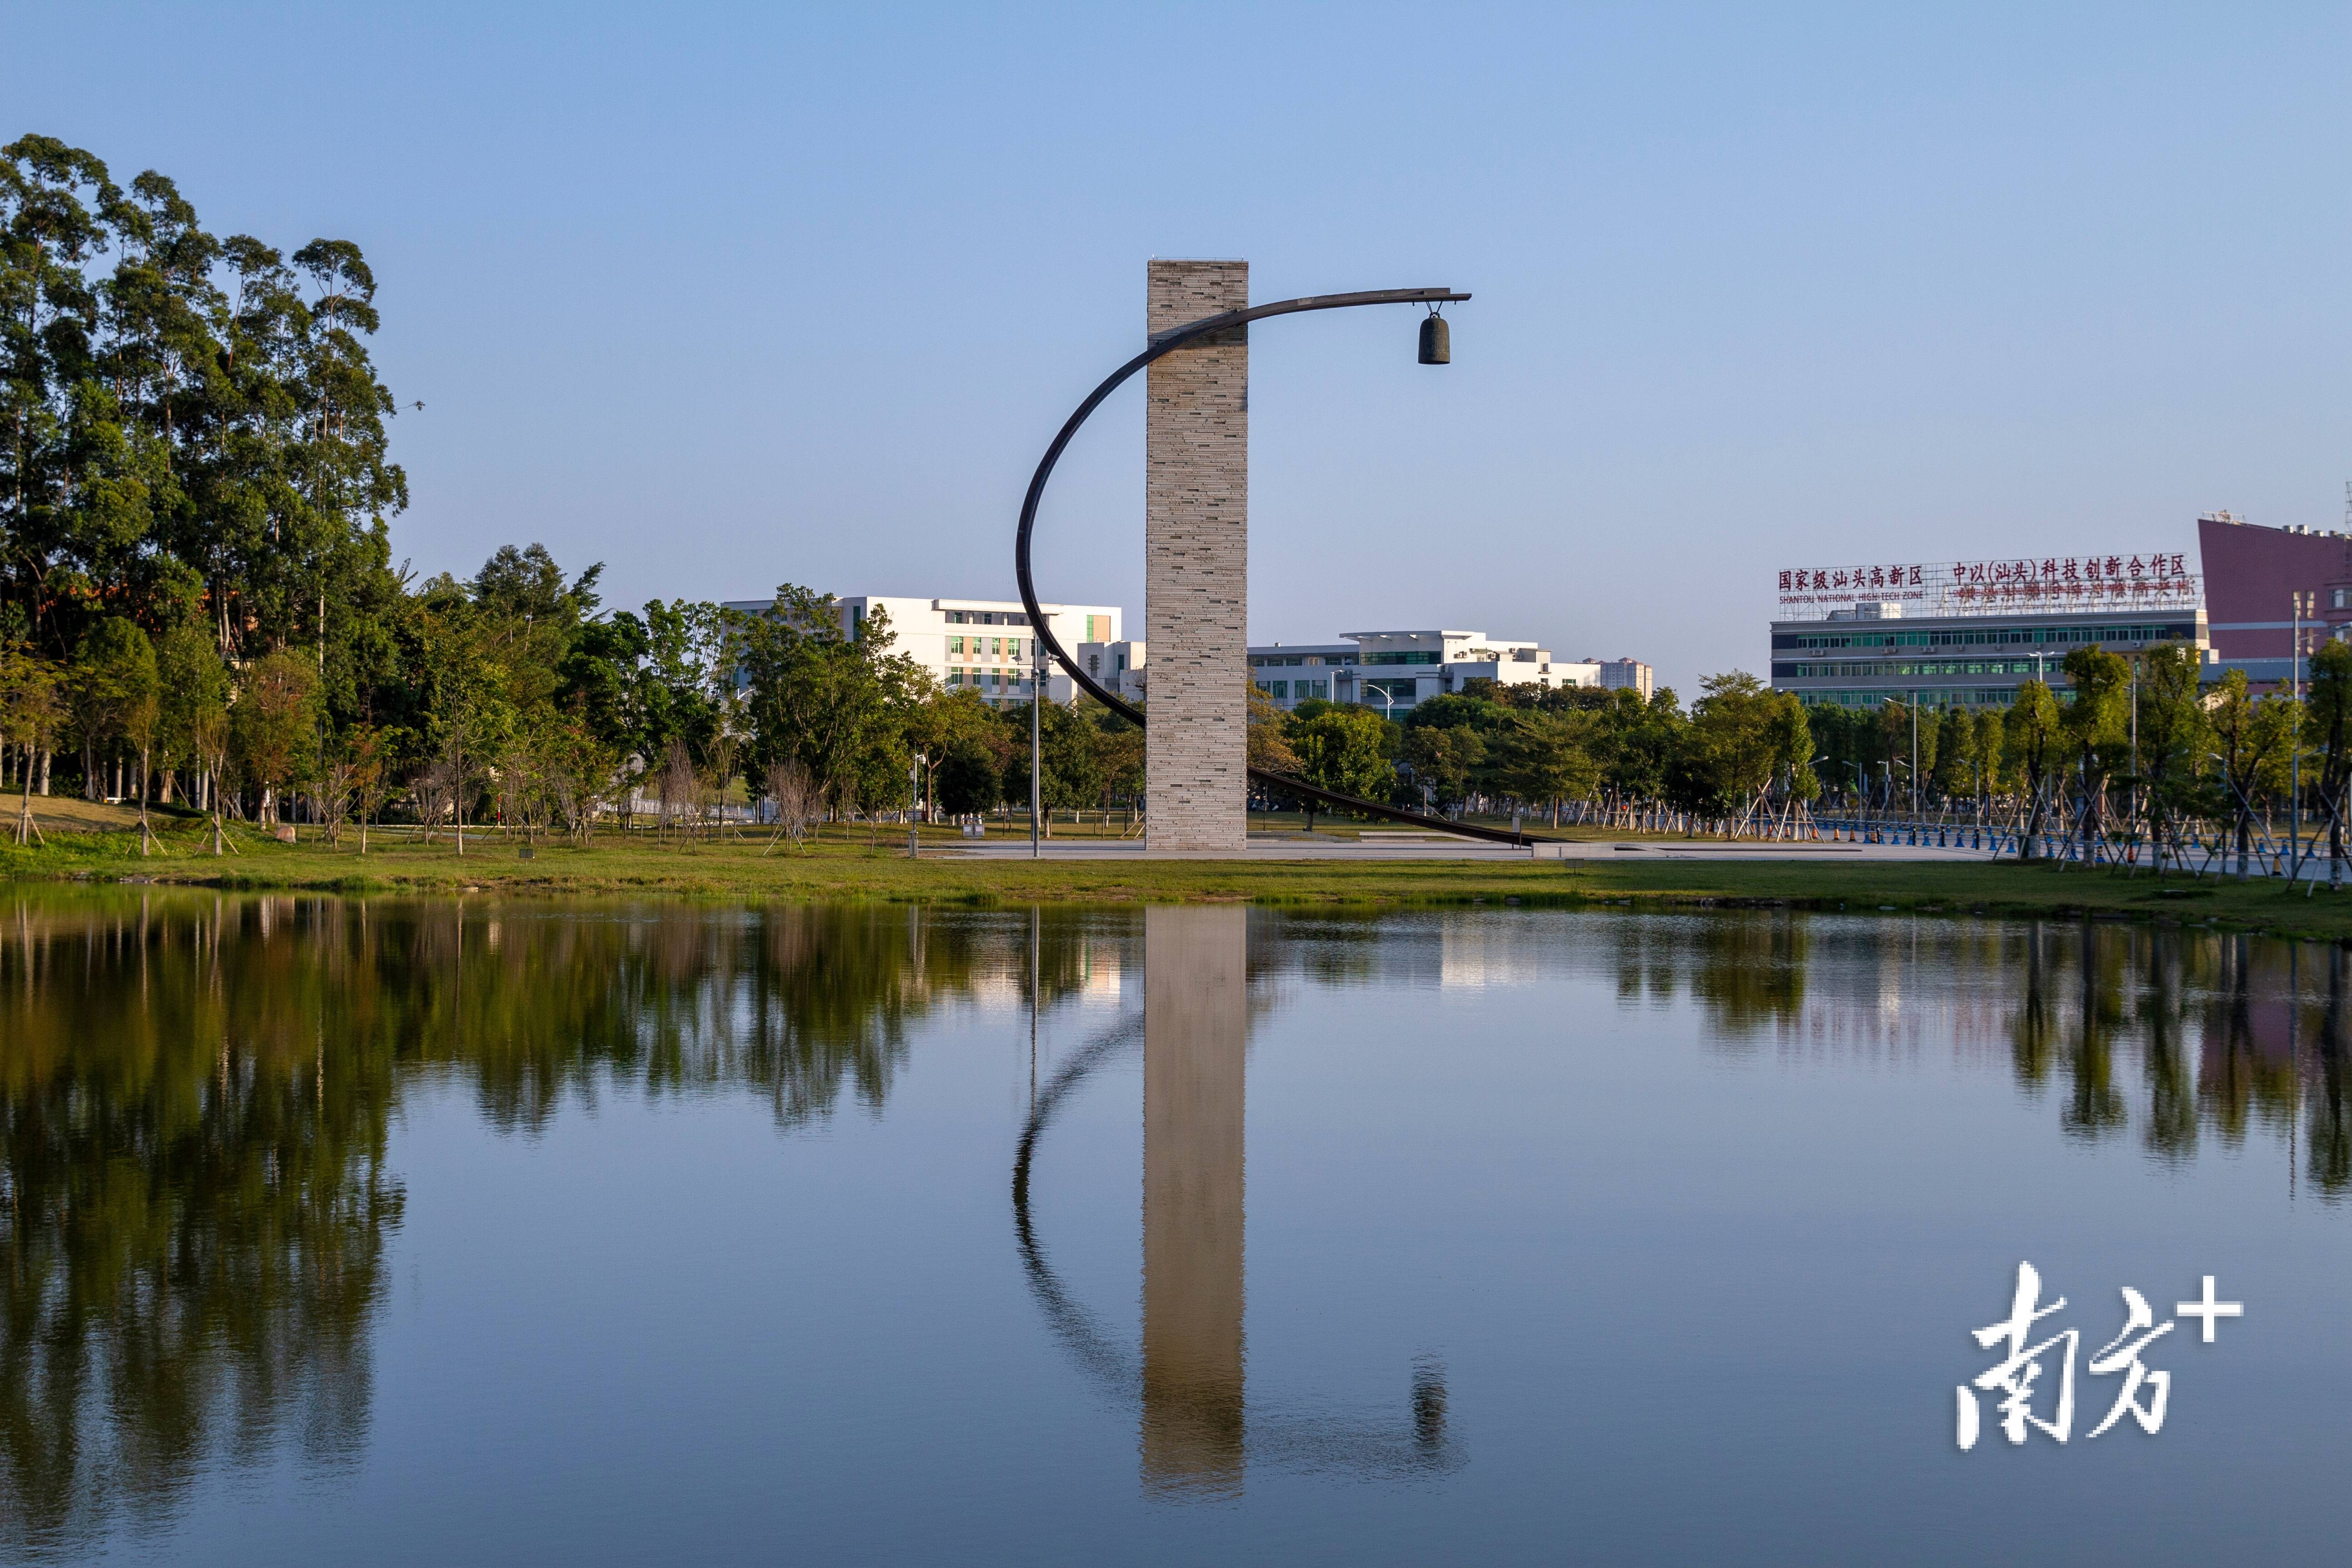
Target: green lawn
[851,870]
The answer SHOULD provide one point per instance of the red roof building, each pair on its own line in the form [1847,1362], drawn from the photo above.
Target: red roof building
[2251,576]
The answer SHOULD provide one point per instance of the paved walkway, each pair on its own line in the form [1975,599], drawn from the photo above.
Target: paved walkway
[1445,847]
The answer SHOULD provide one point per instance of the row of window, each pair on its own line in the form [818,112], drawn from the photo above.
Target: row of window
[1296,691]
[1010,646]
[2061,636]
[992,680]
[986,618]
[1278,660]
[1427,657]
[1849,668]
[1980,697]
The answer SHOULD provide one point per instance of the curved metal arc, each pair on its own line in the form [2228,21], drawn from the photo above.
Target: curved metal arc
[1163,345]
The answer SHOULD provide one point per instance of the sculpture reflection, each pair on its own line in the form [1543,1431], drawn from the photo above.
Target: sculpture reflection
[1197,1427]
[1196,1037]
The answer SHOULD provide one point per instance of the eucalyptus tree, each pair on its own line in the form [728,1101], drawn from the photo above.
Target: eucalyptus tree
[52,474]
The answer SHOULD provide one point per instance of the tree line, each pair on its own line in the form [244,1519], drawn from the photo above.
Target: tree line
[199,607]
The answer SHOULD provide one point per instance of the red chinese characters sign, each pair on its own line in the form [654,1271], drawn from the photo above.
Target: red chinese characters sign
[2049,584]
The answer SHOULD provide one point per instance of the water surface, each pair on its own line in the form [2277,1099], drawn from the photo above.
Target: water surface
[388,1232]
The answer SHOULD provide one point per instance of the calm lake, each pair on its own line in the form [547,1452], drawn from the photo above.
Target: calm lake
[382,1232]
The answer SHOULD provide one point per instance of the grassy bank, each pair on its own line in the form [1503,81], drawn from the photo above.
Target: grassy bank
[852,870]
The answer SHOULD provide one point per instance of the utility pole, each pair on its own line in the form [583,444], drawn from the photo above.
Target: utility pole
[1037,742]
[915,807]
[2302,604]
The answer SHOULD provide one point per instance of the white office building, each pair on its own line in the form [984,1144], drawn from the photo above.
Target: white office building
[1117,667]
[1394,670]
[980,645]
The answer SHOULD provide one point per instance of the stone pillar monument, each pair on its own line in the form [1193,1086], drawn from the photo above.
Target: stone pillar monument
[1196,566]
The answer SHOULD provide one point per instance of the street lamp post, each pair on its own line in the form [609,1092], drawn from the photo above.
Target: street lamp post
[2302,605]
[915,806]
[1037,742]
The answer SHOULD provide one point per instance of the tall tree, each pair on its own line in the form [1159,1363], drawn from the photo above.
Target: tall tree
[2031,737]
[192,685]
[274,726]
[30,712]
[2095,721]
[2173,739]
[1345,750]
[2251,733]
[113,676]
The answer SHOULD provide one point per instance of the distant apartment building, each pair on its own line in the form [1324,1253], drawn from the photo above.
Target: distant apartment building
[980,645]
[1628,674]
[1394,671]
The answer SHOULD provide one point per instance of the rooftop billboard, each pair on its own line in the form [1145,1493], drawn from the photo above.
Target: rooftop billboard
[2050,584]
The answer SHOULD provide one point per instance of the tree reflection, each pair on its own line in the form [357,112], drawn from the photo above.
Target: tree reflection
[194,1098]
[2171,1131]
[2094,1105]
[2248,1068]
[1747,971]
[196,1222]
[2331,1139]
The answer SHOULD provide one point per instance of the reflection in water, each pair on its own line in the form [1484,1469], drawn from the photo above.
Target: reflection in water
[195,1093]
[1196,1041]
[2226,1033]
[1197,1426]
[195,1214]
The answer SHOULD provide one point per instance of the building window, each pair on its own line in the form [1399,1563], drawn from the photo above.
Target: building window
[1094,664]
[2339,598]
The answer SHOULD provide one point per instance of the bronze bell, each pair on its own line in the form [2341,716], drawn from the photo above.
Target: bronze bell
[1437,342]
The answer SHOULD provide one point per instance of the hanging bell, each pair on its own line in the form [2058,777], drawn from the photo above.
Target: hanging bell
[1437,342]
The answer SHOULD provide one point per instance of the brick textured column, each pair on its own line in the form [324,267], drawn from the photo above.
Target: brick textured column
[1196,566]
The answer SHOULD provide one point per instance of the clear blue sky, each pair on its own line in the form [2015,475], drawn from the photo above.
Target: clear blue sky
[725,297]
